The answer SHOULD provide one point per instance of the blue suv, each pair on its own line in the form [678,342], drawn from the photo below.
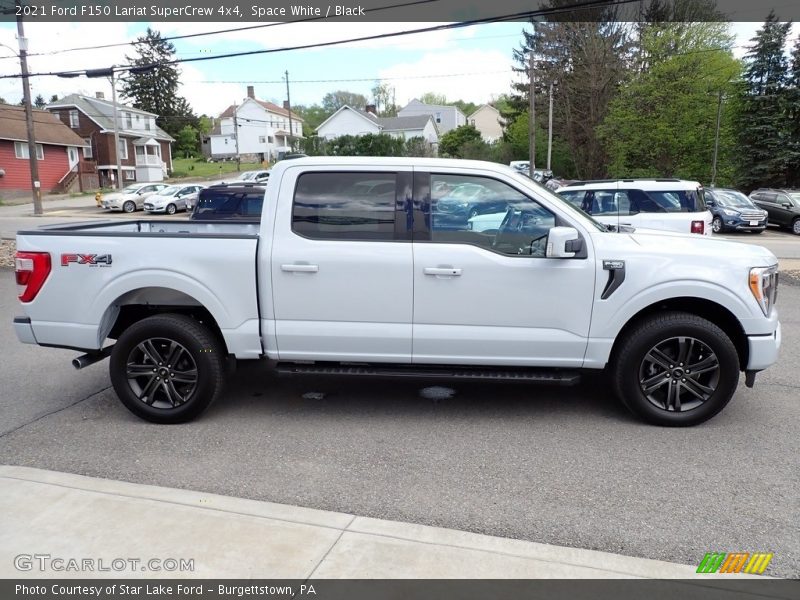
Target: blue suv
[733,211]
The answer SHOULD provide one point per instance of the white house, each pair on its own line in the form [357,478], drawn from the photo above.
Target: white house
[263,130]
[445,117]
[488,121]
[350,121]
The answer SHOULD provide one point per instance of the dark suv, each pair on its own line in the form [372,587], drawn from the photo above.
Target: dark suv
[237,201]
[783,206]
[733,211]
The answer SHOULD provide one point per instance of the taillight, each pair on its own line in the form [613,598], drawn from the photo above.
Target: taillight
[698,227]
[32,269]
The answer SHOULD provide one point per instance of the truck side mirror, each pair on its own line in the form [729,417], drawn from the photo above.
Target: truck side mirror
[563,242]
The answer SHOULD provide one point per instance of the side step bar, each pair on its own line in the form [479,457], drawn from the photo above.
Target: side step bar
[563,377]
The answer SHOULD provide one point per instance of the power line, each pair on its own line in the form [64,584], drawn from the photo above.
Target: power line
[459,25]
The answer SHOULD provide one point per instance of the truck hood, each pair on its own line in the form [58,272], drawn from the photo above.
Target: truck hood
[701,246]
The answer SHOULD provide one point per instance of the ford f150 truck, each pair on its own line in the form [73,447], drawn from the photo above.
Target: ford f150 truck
[355,269]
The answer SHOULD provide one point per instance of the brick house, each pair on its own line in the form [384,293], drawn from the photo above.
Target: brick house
[58,150]
[145,148]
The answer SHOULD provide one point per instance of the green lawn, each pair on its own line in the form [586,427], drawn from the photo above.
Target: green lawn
[191,167]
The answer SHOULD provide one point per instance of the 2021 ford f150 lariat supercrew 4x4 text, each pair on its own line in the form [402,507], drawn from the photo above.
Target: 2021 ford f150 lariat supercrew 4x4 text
[354,269]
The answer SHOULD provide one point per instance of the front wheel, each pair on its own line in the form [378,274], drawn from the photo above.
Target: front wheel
[171,209]
[796,226]
[167,368]
[716,225]
[129,206]
[675,369]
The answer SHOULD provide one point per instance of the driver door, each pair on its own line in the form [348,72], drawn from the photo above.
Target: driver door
[490,297]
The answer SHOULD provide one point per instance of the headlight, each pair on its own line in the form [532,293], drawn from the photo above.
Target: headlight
[730,213]
[764,286]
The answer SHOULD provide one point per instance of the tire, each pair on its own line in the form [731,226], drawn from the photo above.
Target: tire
[637,361]
[473,213]
[717,226]
[129,206]
[171,210]
[192,388]
[796,226]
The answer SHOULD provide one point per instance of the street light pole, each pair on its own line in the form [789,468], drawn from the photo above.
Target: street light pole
[26,95]
[550,129]
[289,109]
[116,129]
[532,115]
[716,141]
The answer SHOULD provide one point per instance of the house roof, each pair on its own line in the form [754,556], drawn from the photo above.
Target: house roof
[47,127]
[403,123]
[269,106]
[102,113]
[483,107]
[363,114]
[433,107]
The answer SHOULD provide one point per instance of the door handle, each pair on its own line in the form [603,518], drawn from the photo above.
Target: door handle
[446,271]
[300,268]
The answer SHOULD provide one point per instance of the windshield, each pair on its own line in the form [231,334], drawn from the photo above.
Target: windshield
[134,187]
[169,191]
[553,197]
[732,199]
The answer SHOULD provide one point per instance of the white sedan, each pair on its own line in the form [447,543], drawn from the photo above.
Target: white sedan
[172,199]
[131,197]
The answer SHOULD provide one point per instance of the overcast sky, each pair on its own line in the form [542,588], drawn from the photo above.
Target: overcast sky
[473,64]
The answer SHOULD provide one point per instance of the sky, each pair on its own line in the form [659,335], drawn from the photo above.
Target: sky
[471,64]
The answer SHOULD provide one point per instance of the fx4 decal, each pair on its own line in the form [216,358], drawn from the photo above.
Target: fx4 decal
[93,260]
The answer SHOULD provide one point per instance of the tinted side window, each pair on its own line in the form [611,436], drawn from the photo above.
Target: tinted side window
[487,213]
[349,206]
[251,205]
[768,197]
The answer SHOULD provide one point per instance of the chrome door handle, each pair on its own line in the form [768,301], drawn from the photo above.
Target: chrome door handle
[300,268]
[447,271]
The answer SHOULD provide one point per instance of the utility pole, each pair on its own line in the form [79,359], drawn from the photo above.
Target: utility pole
[532,114]
[116,129]
[289,108]
[26,95]
[716,141]
[550,129]
[236,137]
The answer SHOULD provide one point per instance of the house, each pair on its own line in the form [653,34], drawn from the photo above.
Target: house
[263,131]
[57,151]
[145,149]
[350,121]
[445,117]
[488,121]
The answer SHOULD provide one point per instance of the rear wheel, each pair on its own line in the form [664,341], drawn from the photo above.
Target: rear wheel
[167,368]
[171,209]
[796,226]
[675,369]
[129,206]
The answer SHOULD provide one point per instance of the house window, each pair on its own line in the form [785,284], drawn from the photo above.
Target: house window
[138,119]
[147,124]
[21,151]
[129,120]
[262,139]
[438,117]
[472,122]
[123,149]
[270,139]
[87,150]
[129,174]
[73,119]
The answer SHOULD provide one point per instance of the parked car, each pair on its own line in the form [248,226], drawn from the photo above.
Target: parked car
[733,211]
[172,199]
[542,175]
[237,201]
[325,285]
[131,197]
[257,176]
[523,166]
[458,204]
[782,205]
[669,204]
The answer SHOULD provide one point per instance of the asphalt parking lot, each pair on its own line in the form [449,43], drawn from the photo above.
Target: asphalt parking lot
[565,466]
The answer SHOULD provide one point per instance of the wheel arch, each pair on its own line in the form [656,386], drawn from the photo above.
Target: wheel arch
[702,307]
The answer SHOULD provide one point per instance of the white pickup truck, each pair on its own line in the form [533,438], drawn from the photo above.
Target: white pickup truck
[355,268]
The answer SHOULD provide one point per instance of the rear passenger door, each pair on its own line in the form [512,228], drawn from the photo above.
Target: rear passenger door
[342,279]
[769,202]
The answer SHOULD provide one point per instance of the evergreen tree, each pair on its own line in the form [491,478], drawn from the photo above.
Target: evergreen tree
[762,123]
[793,118]
[53,98]
[39,101]
[153,86]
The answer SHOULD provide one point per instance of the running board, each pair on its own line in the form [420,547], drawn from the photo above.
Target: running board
[563,377]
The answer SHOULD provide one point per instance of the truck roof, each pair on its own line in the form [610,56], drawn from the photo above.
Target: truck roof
[390,161]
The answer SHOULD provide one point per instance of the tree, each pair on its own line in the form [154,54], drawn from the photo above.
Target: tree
[763,130]
[433,98]
[154,86]
[333,101]
[3,100]
[663,122]
[53,98]
[186,142]
[452,143]
[383,96]
[40,102]
[313,116]
[793,118]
